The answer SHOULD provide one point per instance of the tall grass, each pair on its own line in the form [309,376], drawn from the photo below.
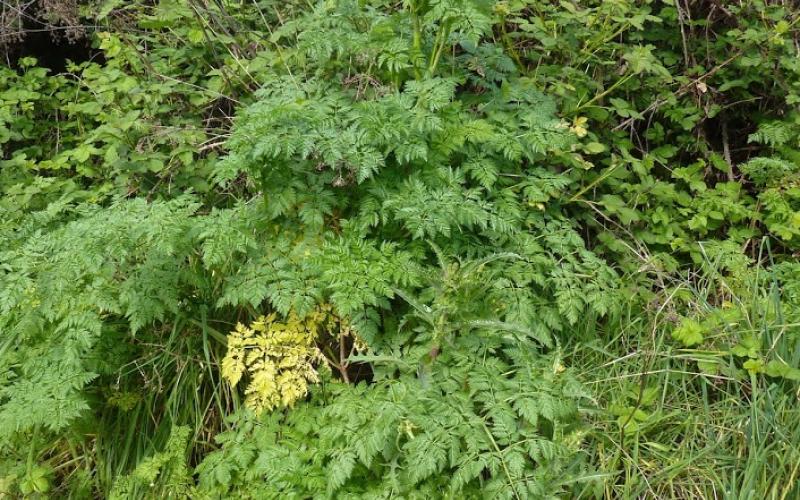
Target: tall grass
[676,423]
[172,380]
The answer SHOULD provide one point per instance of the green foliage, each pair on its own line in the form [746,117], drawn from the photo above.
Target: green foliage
[164,474]
[688,333]
[57,288]
[479,192]
[677,91]
[701,398]
[461,430]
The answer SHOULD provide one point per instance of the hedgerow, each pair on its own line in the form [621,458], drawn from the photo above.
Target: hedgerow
[418,249]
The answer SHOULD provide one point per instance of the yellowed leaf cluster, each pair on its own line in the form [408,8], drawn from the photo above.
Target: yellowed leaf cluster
[279,357]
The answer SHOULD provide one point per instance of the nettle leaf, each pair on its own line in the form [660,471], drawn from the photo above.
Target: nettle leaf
[615,205]
[689,332]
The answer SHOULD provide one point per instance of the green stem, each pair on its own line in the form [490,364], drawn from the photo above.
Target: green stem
[510,47]
[438,47]
[502,460]
[607,91]
[417,39]
[32,449]
[595,182]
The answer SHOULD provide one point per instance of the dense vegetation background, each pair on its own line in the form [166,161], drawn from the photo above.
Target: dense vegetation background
[410,249]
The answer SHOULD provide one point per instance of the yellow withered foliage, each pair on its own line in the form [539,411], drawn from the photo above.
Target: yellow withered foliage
[279,357]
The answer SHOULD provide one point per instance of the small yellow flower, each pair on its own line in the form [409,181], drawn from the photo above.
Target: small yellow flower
[578,126]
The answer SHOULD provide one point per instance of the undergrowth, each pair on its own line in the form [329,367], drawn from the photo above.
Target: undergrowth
[416,249]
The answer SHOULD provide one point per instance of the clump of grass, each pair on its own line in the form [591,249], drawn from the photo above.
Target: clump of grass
[692,422]
[173,379]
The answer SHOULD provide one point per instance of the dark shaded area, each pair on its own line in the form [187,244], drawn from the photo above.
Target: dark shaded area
[54,54]
[360,372]
[53,45]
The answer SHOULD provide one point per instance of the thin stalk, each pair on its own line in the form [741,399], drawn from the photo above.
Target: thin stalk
[416,42]
[510,46]
[438,47]
[610,89]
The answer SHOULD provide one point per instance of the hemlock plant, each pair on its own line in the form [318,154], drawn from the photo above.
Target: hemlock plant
[369,249]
